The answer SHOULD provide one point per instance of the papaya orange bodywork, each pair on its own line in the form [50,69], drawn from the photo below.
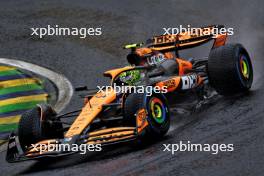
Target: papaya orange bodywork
[111,135]
[141,119]
[220,40]
[170,84]
[143,51]
[184,66]
[90,111]
[114,72]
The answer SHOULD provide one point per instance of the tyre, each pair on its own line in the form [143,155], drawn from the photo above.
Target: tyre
[229,69]
[36,124]
[158,115]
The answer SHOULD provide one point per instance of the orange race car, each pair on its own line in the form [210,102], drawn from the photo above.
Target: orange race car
[135,107]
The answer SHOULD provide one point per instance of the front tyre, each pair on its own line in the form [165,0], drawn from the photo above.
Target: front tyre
[38,124]
[158,115]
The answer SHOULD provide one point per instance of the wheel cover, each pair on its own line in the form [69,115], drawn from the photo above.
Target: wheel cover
[244,67]
[157,110]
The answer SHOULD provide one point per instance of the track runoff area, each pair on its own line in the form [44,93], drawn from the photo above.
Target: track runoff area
[19,92]
[23,85]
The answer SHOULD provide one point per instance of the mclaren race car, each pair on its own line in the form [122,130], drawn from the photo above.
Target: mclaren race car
[109,116]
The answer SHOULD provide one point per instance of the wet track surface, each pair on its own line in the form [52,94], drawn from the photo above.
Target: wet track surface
[237,120]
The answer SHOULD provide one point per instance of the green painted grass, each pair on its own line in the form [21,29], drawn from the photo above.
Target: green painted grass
[19,106]
[8,127]
[21,88]
[10,72]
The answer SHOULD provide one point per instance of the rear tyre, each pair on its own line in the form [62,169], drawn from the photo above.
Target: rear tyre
[158,115]
[229,69]
[38,124]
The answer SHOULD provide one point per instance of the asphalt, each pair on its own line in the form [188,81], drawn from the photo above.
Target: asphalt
[237,119]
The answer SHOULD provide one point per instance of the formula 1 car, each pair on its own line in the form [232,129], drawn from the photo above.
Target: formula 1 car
[109,116]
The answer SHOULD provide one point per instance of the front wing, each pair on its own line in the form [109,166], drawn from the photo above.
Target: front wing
[104,137]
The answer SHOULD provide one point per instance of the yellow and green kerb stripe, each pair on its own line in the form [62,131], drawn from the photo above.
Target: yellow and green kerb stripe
[18,92]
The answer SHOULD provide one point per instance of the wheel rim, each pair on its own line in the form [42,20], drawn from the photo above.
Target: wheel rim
[244,67]
[157,110]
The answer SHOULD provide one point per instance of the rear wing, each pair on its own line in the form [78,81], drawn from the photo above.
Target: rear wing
[172,42]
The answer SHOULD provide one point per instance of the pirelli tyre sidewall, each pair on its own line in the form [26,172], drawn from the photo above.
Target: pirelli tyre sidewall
[158,115]
[230,69]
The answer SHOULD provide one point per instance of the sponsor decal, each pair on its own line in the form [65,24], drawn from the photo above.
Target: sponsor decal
[189,81]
